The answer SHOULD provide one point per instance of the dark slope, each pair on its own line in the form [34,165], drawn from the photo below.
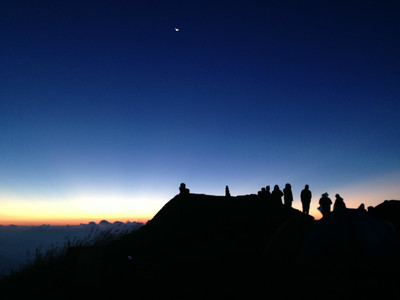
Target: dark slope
[192,215]
[212,247]
[195,246]
[389,210]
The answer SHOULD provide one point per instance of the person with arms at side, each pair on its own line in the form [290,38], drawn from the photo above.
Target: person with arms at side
[276,196]
[288,195]
[305,198]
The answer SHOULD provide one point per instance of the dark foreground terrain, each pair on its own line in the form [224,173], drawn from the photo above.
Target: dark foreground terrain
[211,247]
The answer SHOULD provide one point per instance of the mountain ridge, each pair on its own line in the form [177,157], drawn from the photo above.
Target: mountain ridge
[210,247]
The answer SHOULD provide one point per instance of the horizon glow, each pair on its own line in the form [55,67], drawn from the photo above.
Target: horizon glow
[87,208]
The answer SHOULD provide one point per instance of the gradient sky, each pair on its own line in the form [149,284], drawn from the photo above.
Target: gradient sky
[105,109]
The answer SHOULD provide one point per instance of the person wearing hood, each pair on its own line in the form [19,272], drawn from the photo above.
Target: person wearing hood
[287,195]
[276,195]
[339,203]
[325,205]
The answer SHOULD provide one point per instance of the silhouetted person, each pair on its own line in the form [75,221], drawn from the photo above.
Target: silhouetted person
[339,203]
[325,204]
[183,190]
[227,193]
[362,207]
[305,198]
[276,195]
[268,192]
[287,195]
[262,194]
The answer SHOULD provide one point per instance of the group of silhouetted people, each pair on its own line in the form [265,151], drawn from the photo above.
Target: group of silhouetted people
[276,195]
[325,204]
[305,197]
[275,198]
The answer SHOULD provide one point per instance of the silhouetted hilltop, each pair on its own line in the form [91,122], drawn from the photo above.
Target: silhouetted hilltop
[389,211]
[194,213]
[213,247]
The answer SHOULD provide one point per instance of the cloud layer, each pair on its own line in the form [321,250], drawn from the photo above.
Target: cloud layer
[19,244]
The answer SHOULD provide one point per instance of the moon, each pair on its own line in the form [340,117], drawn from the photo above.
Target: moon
[176,29]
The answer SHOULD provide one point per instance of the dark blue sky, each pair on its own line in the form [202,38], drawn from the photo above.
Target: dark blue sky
[106,98]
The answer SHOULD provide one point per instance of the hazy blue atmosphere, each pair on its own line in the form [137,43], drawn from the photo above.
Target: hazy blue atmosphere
[105,108]
[19,244]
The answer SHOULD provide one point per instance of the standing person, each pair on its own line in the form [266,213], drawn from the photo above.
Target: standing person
[305,198]
[339,203]
[268,192]
[227,192]
[276,195]
[325,204]
[288,195]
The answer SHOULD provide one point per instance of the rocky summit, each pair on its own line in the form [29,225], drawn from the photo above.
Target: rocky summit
[224,247]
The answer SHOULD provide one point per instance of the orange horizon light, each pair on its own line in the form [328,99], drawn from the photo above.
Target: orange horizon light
[66,221]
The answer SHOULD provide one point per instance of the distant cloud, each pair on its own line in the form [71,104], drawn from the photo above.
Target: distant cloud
[18,244]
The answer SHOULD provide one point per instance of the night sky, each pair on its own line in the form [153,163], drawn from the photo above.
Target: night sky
[105,108]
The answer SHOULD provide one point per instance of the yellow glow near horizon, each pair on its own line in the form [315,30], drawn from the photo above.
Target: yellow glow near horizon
[84,207]
[78,209]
